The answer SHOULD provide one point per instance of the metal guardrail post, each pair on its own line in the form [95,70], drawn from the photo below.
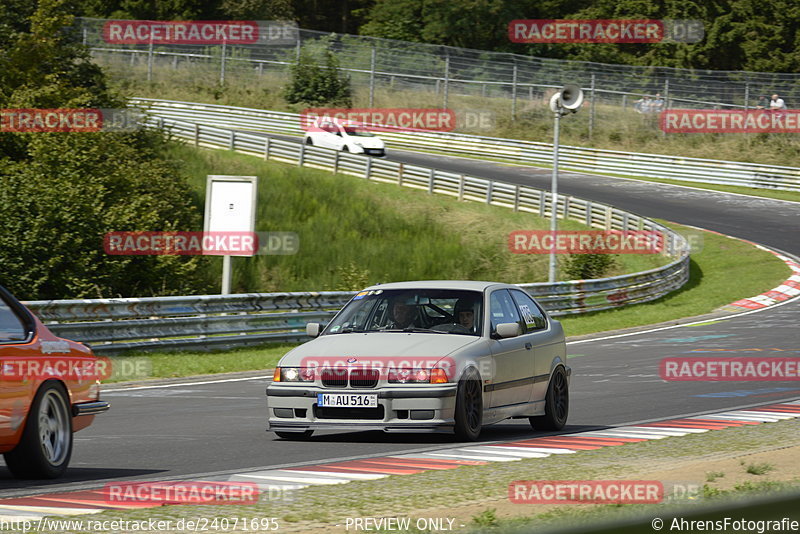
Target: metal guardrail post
[431,179]
[400,169]
[336,162]
[267,144]
[196,135]
[489,190]
[302,155]
[588,220]
[516,198]
[232,140]
[542,203]
[368,170]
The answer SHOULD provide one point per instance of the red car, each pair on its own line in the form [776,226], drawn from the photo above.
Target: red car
[49,388]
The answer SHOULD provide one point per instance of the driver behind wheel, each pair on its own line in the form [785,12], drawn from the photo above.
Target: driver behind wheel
[401,313]
[464,314]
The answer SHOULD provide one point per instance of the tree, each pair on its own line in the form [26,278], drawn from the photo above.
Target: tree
[60,193]
[316,85]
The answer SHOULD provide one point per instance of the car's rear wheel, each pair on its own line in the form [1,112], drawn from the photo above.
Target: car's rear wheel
[345,149]
[305,434]
[309,141]
[469,407]
[46,445]
[556,404]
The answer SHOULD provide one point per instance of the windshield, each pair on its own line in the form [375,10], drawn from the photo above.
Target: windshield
[358,132]
[446,311]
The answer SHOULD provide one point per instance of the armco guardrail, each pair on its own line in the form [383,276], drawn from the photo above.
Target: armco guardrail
[217,321]
[570,157]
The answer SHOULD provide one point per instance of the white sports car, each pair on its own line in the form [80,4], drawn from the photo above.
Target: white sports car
[425,356]
[346,136]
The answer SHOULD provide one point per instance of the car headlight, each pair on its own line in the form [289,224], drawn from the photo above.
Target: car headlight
[417,376]
[293,374]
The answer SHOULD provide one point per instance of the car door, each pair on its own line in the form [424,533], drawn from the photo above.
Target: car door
[16,330]
[512,358]
[546,343]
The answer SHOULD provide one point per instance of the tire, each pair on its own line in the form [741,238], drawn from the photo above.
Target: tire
[556,404]
[305,434]
[469,407]
[345,149]
[46,445]
[309,141]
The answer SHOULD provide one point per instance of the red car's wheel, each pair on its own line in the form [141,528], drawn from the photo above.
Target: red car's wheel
[46,445]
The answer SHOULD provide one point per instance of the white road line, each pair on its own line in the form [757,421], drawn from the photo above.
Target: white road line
[352,476]
[515,453]
[677,429]
[298,479]
[535,449]
[485,458]
[622,434]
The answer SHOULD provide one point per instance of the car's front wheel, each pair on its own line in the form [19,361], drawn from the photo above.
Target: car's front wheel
[556,404]
[305,434]
[46,445]
[309,141]
[469,407]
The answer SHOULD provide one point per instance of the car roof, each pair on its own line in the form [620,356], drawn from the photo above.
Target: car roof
[441,284]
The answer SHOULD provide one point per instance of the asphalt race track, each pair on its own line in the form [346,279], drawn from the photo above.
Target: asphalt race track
[191,430]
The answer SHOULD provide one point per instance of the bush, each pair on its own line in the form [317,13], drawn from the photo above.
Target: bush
[315,85]
[585,266]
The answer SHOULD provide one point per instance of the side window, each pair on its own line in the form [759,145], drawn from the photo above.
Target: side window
[11,327]
[531,313]
[503,309]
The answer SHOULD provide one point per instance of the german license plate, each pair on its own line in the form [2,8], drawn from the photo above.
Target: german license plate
[346,400]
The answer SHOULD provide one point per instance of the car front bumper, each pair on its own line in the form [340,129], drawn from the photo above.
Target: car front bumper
[410,408]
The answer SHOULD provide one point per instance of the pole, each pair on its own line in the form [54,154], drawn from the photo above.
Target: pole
[372,77]
[222,64]
[226,275]
[746,96]
[554,201]
[446,78]
[150,60]
[514,93]
[591,110]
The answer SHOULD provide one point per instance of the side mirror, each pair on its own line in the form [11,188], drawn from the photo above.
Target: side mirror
[506,330]
[313,329]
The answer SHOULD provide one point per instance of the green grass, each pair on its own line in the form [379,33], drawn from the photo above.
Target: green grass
[759,469]
[721,261]
[484,487]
